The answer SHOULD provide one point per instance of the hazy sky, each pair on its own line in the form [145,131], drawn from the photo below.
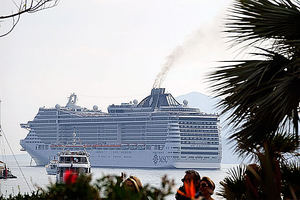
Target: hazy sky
[106,51]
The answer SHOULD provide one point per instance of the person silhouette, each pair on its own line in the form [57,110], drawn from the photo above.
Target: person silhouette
[207,187]
[190,187]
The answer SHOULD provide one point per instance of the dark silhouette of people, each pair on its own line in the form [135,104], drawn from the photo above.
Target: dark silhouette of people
[133,183]
[190,187]
[207,187]
[133,188]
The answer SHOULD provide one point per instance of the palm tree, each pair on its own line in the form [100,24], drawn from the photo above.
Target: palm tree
[262,94]
[250,183]
[262,97]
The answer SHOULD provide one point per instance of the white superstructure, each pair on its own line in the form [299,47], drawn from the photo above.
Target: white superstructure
[158,132]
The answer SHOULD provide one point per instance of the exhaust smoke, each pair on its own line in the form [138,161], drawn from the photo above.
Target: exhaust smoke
[171,59]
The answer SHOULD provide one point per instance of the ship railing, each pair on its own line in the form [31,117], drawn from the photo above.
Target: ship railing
[26,126]
[74,160]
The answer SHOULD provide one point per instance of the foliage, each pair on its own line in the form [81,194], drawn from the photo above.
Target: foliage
[262,94]
[33,196]
[81,190]
[253,182]
[107,187]
[262,97]
[233,183]
[290,183]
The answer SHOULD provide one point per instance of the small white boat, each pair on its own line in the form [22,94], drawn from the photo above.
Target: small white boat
[51,168]
[76,161]
[5,173]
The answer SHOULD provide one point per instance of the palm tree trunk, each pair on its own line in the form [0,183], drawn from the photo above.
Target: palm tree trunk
[296,125]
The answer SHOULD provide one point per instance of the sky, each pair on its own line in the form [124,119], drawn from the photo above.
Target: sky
[107,52]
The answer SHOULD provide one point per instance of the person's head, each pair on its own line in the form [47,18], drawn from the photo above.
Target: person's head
[192,175]
[133,183]
[207,186]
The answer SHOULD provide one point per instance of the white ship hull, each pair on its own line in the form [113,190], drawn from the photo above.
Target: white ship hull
[129,159]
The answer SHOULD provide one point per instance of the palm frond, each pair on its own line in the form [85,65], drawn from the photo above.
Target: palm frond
[260,20]
[291,176]
[233,186]
[259,95]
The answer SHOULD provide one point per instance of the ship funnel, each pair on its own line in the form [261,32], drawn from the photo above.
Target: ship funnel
[158,98]
[157,91]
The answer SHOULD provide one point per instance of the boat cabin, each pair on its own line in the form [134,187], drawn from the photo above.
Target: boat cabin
[76,161]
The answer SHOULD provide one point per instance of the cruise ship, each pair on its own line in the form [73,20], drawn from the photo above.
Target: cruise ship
[158,132]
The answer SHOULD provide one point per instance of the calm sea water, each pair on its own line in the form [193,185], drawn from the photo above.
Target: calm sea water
[37,176]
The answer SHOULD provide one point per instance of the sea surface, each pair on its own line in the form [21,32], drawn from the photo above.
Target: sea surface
[36,176]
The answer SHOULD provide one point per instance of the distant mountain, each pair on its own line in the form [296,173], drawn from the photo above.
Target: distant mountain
[208,104]
[203,102]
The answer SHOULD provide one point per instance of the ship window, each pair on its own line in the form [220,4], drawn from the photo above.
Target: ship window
[204,153]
